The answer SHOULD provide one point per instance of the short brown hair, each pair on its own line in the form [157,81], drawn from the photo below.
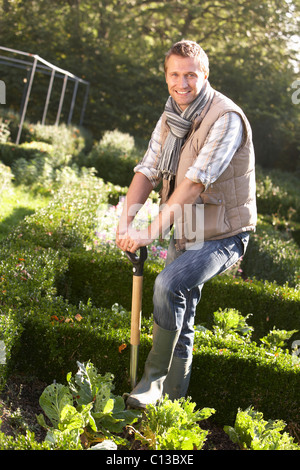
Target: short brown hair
[186,48]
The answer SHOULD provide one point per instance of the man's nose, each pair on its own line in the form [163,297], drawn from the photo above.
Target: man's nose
[183,83]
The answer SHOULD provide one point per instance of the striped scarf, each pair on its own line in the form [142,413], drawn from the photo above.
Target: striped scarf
[180,123]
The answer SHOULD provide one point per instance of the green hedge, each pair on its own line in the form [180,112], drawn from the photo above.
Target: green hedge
[49,270]
[107,278]
[69,139]
[55,334]
[270,304]
[10,152]
[47,153]
[278,193]
[230,379]
[272,255]
[225,376]
[113,157]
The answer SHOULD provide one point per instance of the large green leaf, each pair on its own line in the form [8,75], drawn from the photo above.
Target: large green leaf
[53,399]
[89,386]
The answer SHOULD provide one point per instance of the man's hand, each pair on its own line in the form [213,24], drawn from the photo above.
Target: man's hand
[185,193]
[132,239]
[137,195]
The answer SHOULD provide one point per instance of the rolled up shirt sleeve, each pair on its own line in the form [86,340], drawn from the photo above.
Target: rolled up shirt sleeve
[222,142]
[149,163]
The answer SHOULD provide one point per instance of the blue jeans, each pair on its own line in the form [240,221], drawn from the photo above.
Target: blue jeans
[177,289]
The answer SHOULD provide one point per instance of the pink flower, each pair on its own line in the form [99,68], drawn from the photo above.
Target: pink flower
[163,254]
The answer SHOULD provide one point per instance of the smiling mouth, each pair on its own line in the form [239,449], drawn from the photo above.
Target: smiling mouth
[182,92]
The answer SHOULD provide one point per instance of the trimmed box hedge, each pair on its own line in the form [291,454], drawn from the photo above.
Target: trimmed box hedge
[225,376]
[228,379]
[49,271]
[55,334]
[106,279]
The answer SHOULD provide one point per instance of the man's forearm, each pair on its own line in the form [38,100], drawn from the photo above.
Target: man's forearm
[186,193]
[138,192]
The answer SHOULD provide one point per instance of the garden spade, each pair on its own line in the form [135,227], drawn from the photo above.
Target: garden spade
[136,309]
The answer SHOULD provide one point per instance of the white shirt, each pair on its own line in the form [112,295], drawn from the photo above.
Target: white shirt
[223,140]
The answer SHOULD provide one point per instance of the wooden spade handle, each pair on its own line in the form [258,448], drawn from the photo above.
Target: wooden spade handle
[136,310]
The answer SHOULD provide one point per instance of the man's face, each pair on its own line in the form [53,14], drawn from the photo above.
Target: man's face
[184,79]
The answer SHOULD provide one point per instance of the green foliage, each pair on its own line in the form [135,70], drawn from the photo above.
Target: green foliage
[16,203]
[97,416]
[47,159]
[51,270]
[252,432]
[87,385]
[38,170]
[272,255]
[234,371]
[111,45]
[87,415]
[277,193]
[230,330]
[117,143]
[230,322]
[22,442]
[53,400]
[114,157]
[12,120]
[273,251]
[174,425]
[10,153]
[269,303]
[277,338]
[67,141]
[5,179]
[58,285]
[4,131]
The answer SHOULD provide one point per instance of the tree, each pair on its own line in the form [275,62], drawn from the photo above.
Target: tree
[119,47]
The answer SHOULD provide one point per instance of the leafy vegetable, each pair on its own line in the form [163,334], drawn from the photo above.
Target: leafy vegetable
[88,386]
[85,412]
[277,338]
[252,432]
[173,425]
[230,321]
[53,400]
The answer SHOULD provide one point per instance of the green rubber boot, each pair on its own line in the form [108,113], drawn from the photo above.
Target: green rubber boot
[178,378]
[149,390]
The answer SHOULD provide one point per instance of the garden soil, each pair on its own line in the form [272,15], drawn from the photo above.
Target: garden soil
[19,405]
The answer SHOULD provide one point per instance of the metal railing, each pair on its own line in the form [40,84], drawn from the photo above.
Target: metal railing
[41,65]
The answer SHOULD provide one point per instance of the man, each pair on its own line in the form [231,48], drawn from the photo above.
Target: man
[202,151]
